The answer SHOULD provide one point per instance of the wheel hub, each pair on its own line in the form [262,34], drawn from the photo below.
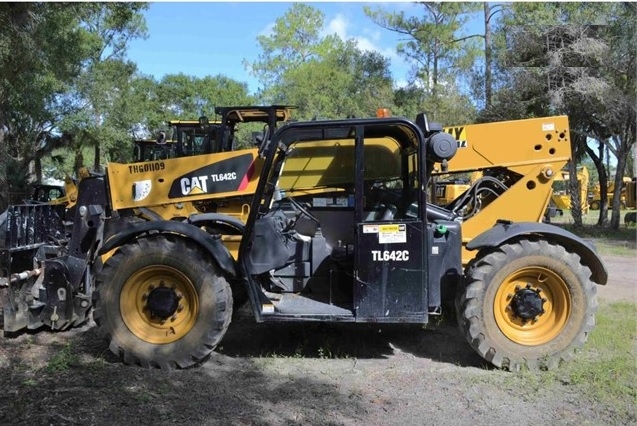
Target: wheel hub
[162,302]
[527,304]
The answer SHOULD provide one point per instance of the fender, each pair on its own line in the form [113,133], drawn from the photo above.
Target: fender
[211,244]
[227,222]
[504,231]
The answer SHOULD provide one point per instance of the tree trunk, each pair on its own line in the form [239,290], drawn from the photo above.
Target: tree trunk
[96,160]
[487,56]
[578,144]
[634,160]
[78,163]
[37,166]
[598,161]
[574,190]
[4,194]
[619,180]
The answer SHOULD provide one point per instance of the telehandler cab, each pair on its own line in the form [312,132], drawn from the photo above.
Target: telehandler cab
[202,136]
[338,229]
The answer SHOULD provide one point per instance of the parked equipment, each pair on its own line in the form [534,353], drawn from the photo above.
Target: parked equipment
[337,229]
[202,136]
[561,198]
[595,198]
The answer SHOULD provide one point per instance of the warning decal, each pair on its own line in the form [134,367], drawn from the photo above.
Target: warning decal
[390,234]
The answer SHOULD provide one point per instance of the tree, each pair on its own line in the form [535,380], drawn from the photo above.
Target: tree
[181,96]
[345,82]
[105,75]
[41,50]
[483,76]
[439,53]
[324,76]
[295,40]
[564,58]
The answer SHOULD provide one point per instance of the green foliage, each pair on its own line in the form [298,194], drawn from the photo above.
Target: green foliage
[442,56]
[64,69]
[324,76]
[41,50]
[102,88]
[180,96]
[63,360]
[578,60]
[295,40]
[434,40]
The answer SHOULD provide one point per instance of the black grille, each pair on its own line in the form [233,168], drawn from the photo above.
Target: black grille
[31,225]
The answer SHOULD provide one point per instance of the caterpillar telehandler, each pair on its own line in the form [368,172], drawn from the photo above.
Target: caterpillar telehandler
[208,142]
[338,228]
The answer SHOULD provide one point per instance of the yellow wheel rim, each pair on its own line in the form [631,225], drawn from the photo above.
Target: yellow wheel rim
[538,328]
[137,314]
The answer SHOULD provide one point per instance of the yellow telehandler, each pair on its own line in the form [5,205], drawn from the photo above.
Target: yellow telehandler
[337,228]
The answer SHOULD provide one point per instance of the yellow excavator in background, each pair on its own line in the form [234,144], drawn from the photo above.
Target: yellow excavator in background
[188,137]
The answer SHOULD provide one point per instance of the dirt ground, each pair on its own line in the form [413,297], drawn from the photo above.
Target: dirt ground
[291,374]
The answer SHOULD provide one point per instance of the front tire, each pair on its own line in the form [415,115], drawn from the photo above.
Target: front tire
[528,303]
[160,303]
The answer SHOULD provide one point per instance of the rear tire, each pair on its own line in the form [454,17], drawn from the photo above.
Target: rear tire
[527,303]
[160,303]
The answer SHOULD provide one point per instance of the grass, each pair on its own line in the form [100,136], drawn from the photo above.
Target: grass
[63,359]
[620,242]
[606,369]
[604,372]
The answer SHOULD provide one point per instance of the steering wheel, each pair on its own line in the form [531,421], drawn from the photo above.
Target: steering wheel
[299,207]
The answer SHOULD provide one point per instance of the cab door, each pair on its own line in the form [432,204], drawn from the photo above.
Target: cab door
[389,272]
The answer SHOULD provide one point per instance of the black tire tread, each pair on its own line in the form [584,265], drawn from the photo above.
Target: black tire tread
[178,359]
[469,304]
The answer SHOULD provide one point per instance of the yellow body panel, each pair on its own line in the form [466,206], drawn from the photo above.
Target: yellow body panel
[148,184]
[447,192]
[525,201]
[517,145]
[535,149]
[311,168]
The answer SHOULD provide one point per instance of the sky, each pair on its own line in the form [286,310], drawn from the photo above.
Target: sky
[212,38]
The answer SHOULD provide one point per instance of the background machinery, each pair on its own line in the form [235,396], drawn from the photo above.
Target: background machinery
[211,144]
[595,197]
[197,137]
[561,199]
[337,228]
